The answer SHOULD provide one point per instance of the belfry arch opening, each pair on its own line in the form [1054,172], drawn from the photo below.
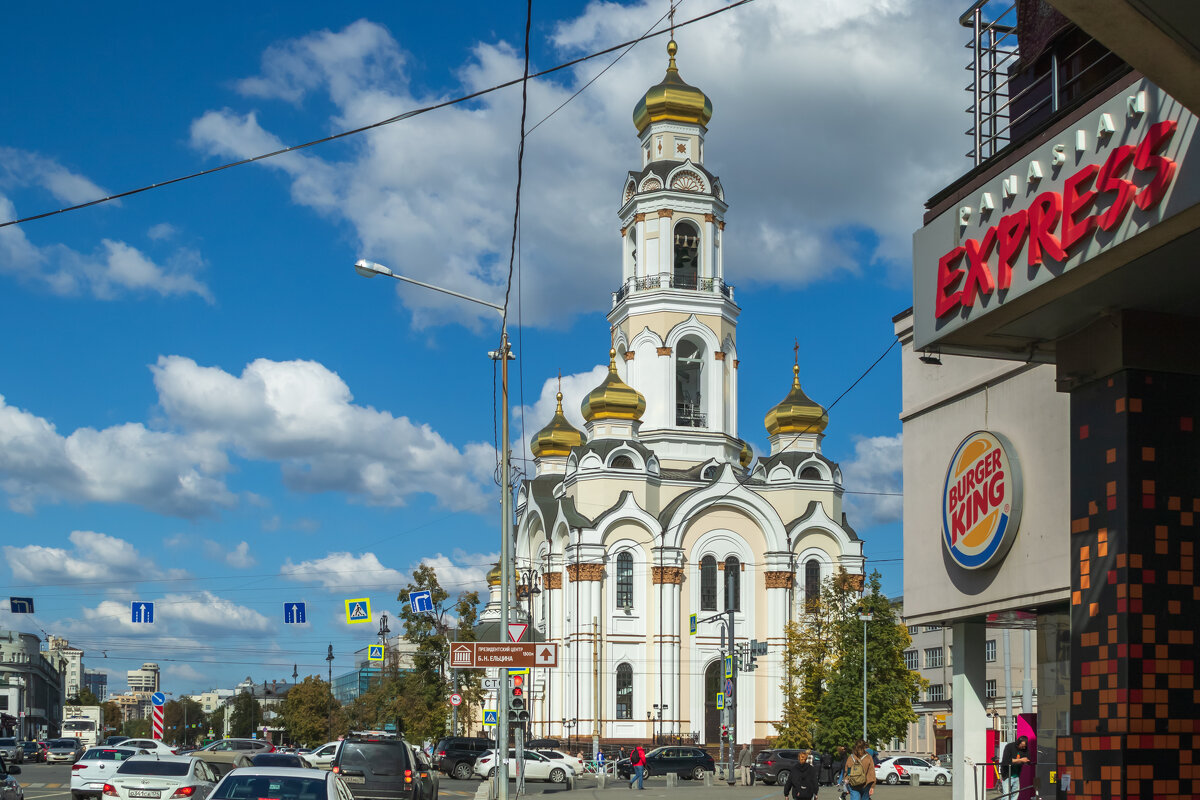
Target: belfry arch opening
[686,264]
[689,376]
[631,253]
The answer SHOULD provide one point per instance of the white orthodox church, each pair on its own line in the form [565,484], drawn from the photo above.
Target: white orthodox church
[658,511]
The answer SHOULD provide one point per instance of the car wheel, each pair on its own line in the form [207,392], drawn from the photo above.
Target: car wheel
[462,771]
[492,773]
[940,780]
[892,778]
[558,775]
[698,773]
[782,777]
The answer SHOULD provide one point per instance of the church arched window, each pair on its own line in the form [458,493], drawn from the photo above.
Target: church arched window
[708,583]
[812,586]
[624,691]
[625,580]
[631,253]
[810,474]
[622,462]
[733,584]
[686,263]
[689,376]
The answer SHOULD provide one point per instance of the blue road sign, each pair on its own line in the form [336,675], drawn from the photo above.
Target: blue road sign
[141,612]
[374,652]
[489,717]
[20,605]
[293,612]
[692,624]
[728,666]
[422,602]
[158,699]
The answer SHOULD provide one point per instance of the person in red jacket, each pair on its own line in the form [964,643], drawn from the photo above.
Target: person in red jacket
[637,760]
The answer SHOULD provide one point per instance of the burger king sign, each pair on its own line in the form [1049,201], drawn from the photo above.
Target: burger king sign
[981,501]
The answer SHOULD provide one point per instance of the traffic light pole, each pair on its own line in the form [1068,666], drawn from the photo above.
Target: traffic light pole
[729,717]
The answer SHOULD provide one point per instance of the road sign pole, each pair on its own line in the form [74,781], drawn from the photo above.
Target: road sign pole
[506,576]
[731,704]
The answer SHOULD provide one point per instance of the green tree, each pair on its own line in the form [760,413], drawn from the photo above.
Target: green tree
[182,720]
[136,728]
[246,716]
[306,711]
[84,698]
[216,723]
[796,726]
[112,716]
[890,684]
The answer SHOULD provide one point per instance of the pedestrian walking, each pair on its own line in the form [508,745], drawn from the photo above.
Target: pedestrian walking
[744,765]
[860,772]
[802,782]
[1012,761]
[839,769]
[637,760]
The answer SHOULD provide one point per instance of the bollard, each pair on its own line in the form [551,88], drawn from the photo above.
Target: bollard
[708,778]
[913,779]
[601,779]
[672,780]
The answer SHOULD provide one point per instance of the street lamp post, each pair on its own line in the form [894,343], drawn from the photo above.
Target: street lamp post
[329,661]
[369,269]
[865,617]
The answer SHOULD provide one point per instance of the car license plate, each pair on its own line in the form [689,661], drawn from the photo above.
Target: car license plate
[144,793]
[347,779]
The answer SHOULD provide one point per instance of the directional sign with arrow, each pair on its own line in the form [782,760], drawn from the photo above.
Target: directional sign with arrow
[20,605]
[141,612]
[477,655]
[293,613]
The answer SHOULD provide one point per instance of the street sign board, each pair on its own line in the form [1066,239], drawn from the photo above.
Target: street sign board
[478,655]
[516,630]
[20,605]
[728,689]
[728,666]
[456,699]
[421,602]
[293,613]
[358,610]
[158,699]
[374,652]
[692,624]
[491,684]
[141,612]
[720,701]
[489,716]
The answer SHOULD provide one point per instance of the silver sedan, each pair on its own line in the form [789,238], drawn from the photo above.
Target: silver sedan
[281,783]
[156,777]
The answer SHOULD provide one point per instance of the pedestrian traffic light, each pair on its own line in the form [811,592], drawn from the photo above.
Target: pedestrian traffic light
[724,733]
[518,711]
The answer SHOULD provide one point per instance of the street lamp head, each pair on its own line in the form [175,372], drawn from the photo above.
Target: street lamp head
[369,269]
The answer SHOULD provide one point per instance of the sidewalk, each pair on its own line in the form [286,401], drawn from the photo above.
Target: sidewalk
[657,787]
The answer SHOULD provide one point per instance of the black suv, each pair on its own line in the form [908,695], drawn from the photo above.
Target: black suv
[686,762]
[379,768]
[774,766]
[456,755]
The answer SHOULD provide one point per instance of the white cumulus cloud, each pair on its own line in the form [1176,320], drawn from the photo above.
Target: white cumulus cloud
[93,556]
[462,571]
[343,571]
[877,472]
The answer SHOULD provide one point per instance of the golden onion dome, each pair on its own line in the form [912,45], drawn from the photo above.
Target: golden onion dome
[672,100]
[797,413]
[746,456]
[494,575]
[613,398]
[557,438]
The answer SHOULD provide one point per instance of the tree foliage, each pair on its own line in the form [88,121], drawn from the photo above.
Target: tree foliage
[246,716]
[183,720]
[84,698]
[796,727]
[307,712]
[113,717]
[890,684]
[136,728]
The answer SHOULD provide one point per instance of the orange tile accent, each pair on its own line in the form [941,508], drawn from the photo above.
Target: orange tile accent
[1102,535]
[1080,525]
[1160,531]
[1075,598]
[1147,454]
[1120,560]
[1093,609]
[1135,405]
[1110,455]
[1093,509]
[1085,582]
[1102,549]
[1135,560]
[1120,405]
[1185,519]
[1172,504]
[1147,487]
[1110,488]
[1085,552]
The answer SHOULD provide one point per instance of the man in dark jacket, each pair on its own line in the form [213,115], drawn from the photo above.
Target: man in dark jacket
[802,779]
[1012,760]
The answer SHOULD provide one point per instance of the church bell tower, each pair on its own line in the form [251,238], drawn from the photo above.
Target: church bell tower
[674,320]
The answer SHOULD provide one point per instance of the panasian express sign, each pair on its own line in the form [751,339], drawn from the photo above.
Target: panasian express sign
[1099,181]
[981,501]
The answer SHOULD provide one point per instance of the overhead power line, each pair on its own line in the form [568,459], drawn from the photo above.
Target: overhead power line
[362,129]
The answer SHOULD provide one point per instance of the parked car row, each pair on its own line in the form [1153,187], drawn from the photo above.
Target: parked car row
[774,766]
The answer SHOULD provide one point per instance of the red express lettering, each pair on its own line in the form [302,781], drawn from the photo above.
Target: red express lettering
[1057,221]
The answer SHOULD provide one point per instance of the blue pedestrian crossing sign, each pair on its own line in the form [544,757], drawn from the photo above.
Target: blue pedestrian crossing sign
[728,666]
[692,624]
[293,613]
[422,601]
[141,612]
[489,717]
[20,605]
[374,652]
[720,701]
[358,610]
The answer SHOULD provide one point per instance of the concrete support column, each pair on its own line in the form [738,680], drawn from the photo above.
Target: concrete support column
[970,720]
[780,587]
[668,583]
[552,584]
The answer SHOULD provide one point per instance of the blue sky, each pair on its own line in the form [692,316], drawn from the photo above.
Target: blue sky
[205,407]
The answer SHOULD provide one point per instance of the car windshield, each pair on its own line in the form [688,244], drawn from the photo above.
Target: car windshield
[107,754]
[7,742]
[658,751]
[270,787]
[71,743]
[151,766]
[79,725]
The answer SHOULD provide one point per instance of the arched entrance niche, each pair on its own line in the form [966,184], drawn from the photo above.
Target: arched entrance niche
[712,717]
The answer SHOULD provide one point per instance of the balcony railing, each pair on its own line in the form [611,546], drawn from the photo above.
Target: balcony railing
[690,416]
[1012,95]
[666,280]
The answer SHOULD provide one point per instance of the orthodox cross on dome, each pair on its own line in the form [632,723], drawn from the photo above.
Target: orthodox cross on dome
[796,350]
[671,13]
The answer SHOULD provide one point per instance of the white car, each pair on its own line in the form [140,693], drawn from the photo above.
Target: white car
[151,746]
[157,777]
[575,762]
[537,767]
[900,768]
[92,771]
[322,757]
[281,783]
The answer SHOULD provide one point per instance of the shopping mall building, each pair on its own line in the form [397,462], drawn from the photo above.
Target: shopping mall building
[1051,393]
